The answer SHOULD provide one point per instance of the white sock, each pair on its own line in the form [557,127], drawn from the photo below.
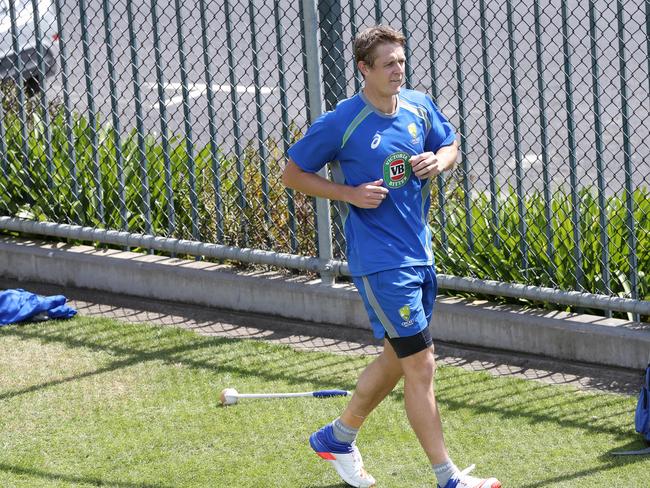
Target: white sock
[444,472]
[344,433]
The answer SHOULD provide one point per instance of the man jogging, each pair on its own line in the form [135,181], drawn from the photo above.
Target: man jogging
[390,143]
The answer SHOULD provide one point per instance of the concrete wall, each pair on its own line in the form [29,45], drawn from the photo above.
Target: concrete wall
[555,334]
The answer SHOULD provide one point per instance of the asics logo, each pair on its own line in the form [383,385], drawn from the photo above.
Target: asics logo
[375,141]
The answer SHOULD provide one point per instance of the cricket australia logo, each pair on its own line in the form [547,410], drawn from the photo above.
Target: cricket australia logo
[413,130]
[405,313]
[397,170]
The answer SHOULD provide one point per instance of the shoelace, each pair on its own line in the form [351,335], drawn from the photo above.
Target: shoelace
[358,462]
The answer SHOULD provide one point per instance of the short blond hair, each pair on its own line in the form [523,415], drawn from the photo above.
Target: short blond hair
[368,39]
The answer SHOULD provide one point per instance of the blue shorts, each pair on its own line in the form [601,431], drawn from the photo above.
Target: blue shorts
[399,301]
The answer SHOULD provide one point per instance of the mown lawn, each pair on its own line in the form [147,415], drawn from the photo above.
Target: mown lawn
[94,402]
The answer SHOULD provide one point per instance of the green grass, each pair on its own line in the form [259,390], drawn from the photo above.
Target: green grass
[92,402]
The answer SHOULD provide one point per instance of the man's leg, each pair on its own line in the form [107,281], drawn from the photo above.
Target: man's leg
[335,441]
[374,384]
[420,403]
[424,417]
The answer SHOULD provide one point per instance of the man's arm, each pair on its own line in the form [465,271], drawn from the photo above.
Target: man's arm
[430,164]
[367,195]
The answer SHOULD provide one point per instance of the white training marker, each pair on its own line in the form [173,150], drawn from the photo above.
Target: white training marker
[230,396]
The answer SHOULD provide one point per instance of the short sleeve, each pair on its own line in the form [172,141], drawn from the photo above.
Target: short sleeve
[441,133]
[318,146]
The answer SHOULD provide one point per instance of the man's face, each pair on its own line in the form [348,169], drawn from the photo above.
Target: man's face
[386,75]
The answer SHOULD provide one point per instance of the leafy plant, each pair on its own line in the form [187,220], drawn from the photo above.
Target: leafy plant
[169,193]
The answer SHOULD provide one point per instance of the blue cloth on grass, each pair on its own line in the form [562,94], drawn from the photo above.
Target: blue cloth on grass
[19,305]
[642,414]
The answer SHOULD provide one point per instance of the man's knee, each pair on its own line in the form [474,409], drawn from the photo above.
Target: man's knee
[420,366]
[391,368]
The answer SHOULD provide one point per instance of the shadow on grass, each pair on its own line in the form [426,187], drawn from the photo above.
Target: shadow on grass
[575,419]
[531,401]
[140,344]
[339,339]
[124,341]
[635,445]
[44,475]
[609,461]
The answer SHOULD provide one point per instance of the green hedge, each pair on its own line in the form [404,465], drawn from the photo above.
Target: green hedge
[497,254]
[37,194]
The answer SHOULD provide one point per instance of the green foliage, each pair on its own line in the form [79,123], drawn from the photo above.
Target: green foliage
[84,185]
[243,203]
[497,252]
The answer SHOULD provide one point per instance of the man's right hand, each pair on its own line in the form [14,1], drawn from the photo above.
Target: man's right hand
[368,195]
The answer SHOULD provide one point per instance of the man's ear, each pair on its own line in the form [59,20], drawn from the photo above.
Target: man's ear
[363,68]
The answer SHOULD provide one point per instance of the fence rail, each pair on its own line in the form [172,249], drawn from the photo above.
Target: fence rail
[178,128]
[313,264]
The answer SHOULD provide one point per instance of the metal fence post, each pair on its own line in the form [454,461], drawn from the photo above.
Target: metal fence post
[314,77]
[334,81]
[333,59]
[20,82]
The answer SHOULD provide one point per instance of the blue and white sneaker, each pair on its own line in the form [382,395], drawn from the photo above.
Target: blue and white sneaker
[345,458]
[464,480]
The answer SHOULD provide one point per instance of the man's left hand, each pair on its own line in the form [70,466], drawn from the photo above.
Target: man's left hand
[426,165]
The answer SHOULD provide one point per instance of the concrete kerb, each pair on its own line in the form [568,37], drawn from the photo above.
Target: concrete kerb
[572,337]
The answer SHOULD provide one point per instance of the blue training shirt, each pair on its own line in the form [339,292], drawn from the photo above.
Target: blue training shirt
[370,145]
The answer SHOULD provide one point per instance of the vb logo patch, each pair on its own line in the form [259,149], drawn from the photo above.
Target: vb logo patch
[397,169]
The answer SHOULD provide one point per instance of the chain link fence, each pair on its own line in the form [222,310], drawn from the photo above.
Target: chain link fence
[172,119]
